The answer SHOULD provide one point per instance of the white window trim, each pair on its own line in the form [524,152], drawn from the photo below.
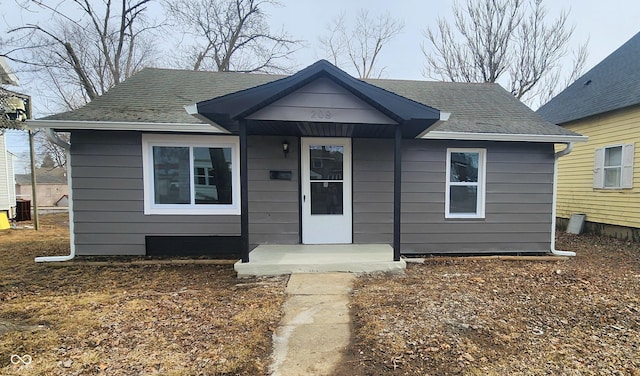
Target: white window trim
[617,167]
[150,140]
[626,167]
[481,184]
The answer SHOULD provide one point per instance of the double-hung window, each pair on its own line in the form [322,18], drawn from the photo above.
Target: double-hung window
[465,188]
[613,167]
[191,175]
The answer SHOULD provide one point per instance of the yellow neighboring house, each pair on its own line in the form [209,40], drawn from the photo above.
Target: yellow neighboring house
[601,177]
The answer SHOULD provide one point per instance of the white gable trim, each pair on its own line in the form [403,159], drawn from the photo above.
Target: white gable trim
[126,126]
[441,135]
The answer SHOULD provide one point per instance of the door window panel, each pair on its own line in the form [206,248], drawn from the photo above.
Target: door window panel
[326,162]
[326,198]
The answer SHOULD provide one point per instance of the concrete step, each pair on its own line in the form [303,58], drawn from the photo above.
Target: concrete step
[270,259]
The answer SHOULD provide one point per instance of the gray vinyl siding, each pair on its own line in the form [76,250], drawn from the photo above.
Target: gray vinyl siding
[518,198]
[109,214]
[274,214]
[108,196]
[321,101]
[372,191]
[519,195]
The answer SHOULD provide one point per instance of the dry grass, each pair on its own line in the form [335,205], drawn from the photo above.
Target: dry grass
[575,317]
[128,320]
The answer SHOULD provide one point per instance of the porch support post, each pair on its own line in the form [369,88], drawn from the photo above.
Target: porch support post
[244,193]
[397,191]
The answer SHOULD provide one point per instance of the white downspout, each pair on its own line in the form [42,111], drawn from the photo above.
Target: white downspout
[53,137]
[557,155]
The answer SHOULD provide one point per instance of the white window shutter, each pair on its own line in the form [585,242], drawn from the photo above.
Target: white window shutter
[627,166]
[598,169]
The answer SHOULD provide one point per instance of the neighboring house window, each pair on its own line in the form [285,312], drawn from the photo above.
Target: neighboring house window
[465,183]
[614,167]
[191,175]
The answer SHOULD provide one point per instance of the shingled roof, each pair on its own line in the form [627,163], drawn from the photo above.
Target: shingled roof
[159,95]
[612,84]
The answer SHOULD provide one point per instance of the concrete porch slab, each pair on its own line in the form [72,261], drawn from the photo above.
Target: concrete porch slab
[271,259]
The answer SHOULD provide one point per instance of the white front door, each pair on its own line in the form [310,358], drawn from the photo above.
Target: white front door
[326,191]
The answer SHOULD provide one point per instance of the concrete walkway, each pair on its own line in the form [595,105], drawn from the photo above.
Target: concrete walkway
[316,326]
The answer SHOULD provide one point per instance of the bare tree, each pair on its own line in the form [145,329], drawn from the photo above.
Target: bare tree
[360,45]
[229,35]
[49,154]
[333,42]
[491,39]
[84,47]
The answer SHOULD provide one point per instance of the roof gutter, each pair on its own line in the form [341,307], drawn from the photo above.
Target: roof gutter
[483,136]
[54,138]
[71,125]
[557,156]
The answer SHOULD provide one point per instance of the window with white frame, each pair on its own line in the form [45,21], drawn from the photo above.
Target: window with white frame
[191,175]
[465,190]
[613,167]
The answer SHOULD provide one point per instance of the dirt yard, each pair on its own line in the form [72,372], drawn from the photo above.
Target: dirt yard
[576,317]
[128,320]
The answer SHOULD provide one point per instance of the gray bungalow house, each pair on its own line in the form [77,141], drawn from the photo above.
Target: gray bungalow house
[174,162]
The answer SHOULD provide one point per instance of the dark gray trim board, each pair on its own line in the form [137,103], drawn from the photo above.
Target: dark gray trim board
[397,193]
[244,193]
[226,247]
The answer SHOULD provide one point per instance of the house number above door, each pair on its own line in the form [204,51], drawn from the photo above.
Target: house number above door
[320,114]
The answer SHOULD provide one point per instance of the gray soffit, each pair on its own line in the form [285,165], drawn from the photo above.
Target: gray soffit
[612,84]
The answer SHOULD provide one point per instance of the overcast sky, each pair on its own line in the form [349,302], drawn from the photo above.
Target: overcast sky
[606,24]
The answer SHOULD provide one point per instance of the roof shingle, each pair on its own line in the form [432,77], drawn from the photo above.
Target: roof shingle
[159,96]
[612,84]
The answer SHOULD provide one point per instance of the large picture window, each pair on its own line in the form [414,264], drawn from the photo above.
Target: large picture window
[465,190]
[188,175]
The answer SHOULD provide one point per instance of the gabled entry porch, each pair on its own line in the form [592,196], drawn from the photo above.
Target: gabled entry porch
[271,259]
[324,110]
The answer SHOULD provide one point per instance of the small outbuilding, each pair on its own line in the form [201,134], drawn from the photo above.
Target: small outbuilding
[51,187]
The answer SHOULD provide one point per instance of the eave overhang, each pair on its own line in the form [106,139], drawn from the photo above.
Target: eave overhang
[70,125]
[440,135]
[226,111]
